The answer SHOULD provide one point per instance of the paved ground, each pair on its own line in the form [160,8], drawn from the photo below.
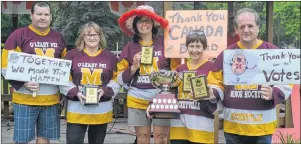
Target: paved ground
[119,133]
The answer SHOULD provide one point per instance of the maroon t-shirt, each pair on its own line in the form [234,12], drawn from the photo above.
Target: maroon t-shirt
[141,78]
[25,39]
[249,103]
[186,104]
[96,69]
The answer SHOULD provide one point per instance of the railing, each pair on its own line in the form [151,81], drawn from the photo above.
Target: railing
[6,97]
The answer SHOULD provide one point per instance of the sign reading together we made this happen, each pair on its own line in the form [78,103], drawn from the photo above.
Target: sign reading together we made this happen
[26,67]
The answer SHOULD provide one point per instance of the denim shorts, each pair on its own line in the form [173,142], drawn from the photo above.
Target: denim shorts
[26,118]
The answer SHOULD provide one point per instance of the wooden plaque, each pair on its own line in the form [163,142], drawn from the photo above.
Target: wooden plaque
[147,55]
[199,87]
[90,91]
[186,80]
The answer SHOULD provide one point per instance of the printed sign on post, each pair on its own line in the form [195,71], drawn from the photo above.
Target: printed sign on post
[212,22]
[262,66]
[27,67]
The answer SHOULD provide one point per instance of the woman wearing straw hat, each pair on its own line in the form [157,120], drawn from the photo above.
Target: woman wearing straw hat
[141,24]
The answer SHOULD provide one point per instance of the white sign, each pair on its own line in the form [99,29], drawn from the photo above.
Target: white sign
[262,66]
[41,69]
[16,7]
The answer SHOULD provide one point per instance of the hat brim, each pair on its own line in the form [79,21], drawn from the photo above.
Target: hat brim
[122,20]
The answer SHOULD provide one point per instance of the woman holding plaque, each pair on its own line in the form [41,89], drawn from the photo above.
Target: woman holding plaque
[196,123]
[89,101]
[139,58]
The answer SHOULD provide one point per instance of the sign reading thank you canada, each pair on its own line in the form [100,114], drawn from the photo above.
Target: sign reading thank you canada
[27,67]
[262,66]
[212,23]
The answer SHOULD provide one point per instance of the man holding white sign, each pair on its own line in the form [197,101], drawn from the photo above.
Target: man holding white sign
[40,69]
[249,110]
[43,109]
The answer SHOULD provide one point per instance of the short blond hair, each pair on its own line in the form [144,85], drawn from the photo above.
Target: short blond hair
[80,43]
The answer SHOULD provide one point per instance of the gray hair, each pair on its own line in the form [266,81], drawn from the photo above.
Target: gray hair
[240,11]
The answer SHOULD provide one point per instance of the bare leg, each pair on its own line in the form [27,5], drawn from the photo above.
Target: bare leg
[161,134]
[143,134]
[41,140]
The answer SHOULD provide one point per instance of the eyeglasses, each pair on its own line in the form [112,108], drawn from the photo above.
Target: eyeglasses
[147,21]
[92,35]
[201,33]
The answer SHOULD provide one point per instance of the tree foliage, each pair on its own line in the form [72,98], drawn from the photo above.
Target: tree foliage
[68,17]
[287,23]
[71,16]
[7,24]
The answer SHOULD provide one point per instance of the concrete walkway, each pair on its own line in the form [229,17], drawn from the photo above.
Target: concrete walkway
[119,133]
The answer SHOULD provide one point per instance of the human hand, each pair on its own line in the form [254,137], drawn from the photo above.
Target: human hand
[81,97]
[211,95]
[101,93]
[177,80]
[32,86]
[266,92]
[147,113]
[136,60]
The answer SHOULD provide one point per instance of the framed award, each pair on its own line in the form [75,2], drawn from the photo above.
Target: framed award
[199,87]
[147,55]
[90,91]
[186,80]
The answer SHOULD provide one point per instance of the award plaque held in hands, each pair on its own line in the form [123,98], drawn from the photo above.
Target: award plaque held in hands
[147,55]
[199,87]
[90,91]
[165,104]
[186,80]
